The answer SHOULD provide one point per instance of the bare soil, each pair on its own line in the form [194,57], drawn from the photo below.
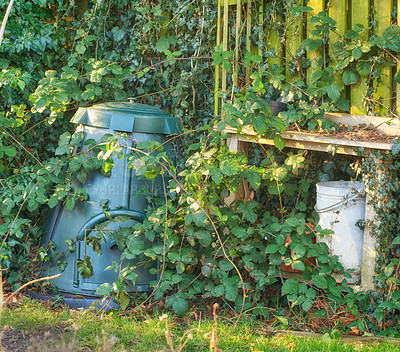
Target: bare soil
[16,340]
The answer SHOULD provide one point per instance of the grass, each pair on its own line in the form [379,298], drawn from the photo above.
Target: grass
[92,330]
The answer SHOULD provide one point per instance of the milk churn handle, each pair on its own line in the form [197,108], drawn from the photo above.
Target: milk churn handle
[336,205]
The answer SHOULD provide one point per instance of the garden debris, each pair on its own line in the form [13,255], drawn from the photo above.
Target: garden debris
[353,133]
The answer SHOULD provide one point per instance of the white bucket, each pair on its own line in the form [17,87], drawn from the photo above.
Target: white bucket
[340,204]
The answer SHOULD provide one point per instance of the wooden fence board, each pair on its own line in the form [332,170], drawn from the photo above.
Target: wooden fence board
[217,68]
[360,11]
[225,35]
[274,42]
[248,41]
[294,37]
[314,56]
[398,66]
[237,42]
[384,89]
[338,11]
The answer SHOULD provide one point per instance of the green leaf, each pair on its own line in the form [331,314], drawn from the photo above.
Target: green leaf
[396,150]
[275,226]
[311,293]
[307,304]
[320,281]
[350,77]
[298,265]
[343,104]
[333,91]
[279,142]
[229,167]
[162,44]
[364,67]
[218,291]
[397,77]
[80,49]
[123,299]
[351,34]
[9,151]
[96,76]
[62,265]
[259,124]
[53,201]
[85,268]
[396,240]
[69,203]
[290,286]
[105,289]
[272,248]
[388,270]
[82,175]
[180,306]
[357,53]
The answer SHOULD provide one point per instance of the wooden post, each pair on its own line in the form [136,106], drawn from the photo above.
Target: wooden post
[236,145]
[369,251]
[369,241]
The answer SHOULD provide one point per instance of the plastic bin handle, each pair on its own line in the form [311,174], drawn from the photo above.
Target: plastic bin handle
[99,218]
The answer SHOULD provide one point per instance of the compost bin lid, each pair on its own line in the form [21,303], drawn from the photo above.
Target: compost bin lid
[128,117]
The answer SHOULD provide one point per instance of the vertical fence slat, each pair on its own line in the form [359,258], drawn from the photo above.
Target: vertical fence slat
[294,37]
[217,67]
[398,66]
[248,41]
[260,23]
[318,6]
[275,42]
[338,12]
[225,35]
[237,42]
[384,89]
[360,10]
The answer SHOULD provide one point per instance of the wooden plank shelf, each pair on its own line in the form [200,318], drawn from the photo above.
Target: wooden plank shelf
[313,141]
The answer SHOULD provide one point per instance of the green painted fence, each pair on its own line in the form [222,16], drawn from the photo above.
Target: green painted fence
[241,22]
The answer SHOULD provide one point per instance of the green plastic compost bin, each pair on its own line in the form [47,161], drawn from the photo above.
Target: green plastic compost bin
[141,123]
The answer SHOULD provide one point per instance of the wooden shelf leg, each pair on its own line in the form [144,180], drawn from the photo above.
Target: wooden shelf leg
[236,145]
[369,242]
[369,251]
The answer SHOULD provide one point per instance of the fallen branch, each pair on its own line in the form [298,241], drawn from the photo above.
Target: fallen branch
[30,283]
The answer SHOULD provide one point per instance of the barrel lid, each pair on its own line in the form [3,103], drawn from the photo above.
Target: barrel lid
[126,116]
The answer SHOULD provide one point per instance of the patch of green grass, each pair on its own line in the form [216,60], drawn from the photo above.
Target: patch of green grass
[98,331]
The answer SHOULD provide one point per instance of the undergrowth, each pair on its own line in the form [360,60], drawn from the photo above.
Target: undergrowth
[57,59]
